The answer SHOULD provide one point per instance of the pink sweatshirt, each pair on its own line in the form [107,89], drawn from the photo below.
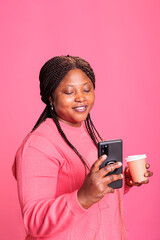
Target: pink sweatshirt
[48,174]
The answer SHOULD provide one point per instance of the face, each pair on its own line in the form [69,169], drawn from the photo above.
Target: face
[74,98]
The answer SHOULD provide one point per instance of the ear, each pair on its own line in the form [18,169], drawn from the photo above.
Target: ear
[51,99]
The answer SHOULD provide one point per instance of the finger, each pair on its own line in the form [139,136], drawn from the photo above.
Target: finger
[127,173]
[147,165]
[148,174]
[137,184]
[127,169]
[109,168]
[98,163]
[110,190]
[145,182]
[112,178]
[129,182]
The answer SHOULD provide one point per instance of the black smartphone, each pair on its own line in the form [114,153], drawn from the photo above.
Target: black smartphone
[113,150]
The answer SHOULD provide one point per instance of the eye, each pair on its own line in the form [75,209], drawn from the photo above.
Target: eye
[68,93]
[87,90]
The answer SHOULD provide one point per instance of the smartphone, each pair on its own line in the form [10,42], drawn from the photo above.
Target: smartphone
[113,150]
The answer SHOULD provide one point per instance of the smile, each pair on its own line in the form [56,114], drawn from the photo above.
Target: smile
[80,108]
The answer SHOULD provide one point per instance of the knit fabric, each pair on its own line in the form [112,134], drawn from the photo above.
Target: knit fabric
[49,174]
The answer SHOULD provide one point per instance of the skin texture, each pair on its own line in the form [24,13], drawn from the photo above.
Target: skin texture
[75,90]
[95,186]
[73,99]
[129,181]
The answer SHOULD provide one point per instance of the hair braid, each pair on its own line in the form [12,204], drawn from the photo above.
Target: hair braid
[54,116]
[51,74]
[92,130]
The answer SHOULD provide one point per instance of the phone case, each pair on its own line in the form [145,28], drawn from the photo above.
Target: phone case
[113,150]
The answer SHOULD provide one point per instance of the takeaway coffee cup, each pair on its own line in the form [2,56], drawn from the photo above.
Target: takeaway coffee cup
[137,167]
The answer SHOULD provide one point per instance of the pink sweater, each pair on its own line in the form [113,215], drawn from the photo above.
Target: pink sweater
[49,174]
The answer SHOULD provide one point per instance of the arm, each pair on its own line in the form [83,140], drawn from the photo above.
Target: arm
[44,213]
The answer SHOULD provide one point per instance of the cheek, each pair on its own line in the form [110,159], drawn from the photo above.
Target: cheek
[92,99]
[62,102]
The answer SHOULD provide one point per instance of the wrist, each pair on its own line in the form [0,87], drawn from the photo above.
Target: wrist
[83,201]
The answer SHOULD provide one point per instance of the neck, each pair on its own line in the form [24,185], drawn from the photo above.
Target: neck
[72,124]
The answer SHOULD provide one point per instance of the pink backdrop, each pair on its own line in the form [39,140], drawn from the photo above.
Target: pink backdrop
[121,40]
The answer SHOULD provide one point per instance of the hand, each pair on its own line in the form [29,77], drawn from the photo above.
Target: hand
[128,178]
[95,185]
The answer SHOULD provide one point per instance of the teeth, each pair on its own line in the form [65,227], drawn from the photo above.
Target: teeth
[80,108]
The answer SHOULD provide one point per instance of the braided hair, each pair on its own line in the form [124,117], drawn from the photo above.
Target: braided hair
[51,74]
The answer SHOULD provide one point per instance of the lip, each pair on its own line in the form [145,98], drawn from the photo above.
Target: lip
[81,108]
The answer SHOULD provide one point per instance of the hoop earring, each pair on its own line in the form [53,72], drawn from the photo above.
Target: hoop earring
[51,104]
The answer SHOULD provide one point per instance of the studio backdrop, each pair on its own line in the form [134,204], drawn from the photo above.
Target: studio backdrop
[121,40]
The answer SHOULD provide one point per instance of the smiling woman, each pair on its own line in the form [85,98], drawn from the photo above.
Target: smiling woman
[60,184]
[61,78]
[63,193]
[73,98]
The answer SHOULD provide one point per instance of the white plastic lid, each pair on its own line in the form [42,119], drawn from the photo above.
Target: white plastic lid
[135,157]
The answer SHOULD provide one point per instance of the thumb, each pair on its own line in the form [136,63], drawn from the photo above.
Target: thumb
[98,163]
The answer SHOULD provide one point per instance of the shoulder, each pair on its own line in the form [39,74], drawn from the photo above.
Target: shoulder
[44,138]
[46,128]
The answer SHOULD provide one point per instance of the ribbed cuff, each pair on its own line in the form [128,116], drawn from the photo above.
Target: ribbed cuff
[74,205]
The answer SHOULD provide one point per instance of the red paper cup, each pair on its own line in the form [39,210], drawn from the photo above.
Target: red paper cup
[137,167]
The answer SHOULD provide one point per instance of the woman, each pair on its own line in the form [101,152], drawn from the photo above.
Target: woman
[62,192]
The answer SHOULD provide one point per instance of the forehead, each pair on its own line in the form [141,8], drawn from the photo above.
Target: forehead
[75,77]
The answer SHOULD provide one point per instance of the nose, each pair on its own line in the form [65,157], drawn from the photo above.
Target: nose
[80,97]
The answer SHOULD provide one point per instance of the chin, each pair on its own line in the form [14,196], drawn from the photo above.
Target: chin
[80,119]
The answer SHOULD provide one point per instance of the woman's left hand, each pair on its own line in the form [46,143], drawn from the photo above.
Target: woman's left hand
[128,178]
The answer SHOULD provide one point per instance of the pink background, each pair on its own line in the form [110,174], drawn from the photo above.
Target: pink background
[121,40]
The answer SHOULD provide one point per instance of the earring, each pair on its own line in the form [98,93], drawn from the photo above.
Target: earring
[51,104]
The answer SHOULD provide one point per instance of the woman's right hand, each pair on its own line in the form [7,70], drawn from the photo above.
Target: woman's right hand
[95,185]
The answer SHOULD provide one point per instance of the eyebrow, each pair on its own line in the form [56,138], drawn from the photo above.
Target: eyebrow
[74,85]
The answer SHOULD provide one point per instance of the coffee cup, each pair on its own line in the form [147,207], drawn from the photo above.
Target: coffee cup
[137,167]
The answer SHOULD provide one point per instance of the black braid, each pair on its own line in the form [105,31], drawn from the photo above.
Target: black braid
[45,114]
[55,119]
[51,75]
[92,130]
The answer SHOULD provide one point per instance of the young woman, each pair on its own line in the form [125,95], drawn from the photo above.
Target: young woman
[62,192]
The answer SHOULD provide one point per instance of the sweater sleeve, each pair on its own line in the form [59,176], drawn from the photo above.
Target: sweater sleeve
[44,213]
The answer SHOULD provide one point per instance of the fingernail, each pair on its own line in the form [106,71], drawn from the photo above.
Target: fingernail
[119,163]
[104,156]
[121,175]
